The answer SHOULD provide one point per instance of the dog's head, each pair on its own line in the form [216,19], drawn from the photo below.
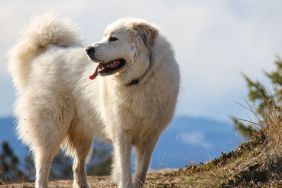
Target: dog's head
[125,49]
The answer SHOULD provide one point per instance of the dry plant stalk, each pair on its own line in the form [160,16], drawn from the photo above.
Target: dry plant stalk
[273,128]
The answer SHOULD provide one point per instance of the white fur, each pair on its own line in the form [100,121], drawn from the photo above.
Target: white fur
[58,106]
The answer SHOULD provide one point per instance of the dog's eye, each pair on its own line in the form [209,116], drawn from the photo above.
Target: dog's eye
[113,39]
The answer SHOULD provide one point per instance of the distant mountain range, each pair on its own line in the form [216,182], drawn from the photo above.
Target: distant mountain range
[186,140]
[192,140]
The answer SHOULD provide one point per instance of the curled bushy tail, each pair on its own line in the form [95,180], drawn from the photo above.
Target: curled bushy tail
[43,30]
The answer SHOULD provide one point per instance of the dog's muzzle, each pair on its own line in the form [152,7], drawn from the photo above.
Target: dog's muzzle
[91,52]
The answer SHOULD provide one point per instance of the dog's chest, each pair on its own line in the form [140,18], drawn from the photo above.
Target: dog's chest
[129,109]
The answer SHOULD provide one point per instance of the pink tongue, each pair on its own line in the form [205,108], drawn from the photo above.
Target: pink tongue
[94,75]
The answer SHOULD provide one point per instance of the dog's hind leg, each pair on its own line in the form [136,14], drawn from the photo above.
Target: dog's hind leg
[80,177]
[43,157]
[144,151]
[79,172]
[79,144]
[46,141]
[43,131]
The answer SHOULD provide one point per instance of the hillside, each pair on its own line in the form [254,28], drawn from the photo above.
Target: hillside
[252,164]
[257,163]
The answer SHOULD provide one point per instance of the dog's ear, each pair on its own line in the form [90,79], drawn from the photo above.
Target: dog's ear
[147,33]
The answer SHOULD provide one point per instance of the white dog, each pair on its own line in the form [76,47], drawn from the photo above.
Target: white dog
[128,100]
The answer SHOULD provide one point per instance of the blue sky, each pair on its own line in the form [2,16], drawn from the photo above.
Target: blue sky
[214,42]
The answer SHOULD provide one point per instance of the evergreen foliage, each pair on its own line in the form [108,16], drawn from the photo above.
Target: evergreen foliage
[261,98]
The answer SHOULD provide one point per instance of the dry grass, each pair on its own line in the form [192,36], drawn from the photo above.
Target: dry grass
[273,129]
[257,163]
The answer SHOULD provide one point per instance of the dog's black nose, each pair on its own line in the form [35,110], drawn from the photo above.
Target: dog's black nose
[90,51]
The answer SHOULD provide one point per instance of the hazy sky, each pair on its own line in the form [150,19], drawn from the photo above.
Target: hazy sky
[214,41]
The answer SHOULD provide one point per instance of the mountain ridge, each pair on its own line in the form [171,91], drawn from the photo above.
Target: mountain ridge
[186,140]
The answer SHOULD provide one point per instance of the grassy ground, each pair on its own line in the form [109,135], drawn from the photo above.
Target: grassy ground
[253,164]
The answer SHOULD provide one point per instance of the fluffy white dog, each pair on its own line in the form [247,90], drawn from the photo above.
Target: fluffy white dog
[128,100]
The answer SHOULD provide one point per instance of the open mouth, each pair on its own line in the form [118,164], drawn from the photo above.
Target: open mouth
[108,68]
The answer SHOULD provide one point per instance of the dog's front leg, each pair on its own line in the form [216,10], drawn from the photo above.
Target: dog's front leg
[144,150]
[121,163]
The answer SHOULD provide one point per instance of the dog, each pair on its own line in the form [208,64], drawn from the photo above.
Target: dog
[61,104]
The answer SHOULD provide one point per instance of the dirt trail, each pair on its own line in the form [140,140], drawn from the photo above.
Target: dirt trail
[156,179]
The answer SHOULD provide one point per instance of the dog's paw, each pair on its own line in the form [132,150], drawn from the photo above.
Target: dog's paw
[137,184]
[125,185]
[80,185]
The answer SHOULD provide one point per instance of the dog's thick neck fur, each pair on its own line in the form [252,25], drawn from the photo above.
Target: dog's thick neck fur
[137,80]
